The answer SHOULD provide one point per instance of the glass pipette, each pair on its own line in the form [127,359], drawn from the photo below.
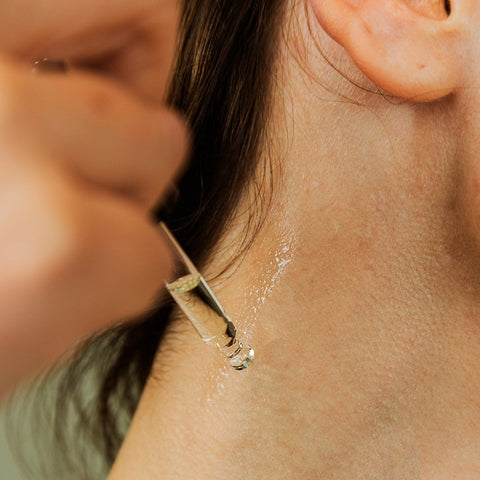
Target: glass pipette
[197,301]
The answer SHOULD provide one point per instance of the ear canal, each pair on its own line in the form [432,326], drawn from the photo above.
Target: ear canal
[448,7]
[434,9]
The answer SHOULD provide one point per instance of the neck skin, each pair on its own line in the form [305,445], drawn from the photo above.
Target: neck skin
[361,296]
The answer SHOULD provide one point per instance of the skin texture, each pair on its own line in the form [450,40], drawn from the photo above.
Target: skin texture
[77,249]
[361,293]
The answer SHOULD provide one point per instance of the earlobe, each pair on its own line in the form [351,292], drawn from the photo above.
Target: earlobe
[406,47]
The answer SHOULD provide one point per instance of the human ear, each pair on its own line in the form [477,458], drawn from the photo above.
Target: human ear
[408,48]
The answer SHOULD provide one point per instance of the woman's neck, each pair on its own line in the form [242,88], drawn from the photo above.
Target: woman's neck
[366,339]
[361,297]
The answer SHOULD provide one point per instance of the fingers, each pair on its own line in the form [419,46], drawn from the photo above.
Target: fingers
[132,40]
[96,128]
[82,157]
[74,259]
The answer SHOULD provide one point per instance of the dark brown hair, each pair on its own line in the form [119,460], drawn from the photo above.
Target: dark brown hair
[221,84]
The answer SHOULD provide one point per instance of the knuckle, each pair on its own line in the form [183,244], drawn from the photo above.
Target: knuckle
[40,238]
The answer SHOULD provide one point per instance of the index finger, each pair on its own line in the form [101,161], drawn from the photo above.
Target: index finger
[98,130]
[139,36]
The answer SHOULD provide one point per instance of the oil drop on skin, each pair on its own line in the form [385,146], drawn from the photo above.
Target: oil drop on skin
[192,294]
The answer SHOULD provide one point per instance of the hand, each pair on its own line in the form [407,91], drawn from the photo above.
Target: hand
[83,158]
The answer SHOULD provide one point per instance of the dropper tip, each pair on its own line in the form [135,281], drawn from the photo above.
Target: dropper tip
[243,359]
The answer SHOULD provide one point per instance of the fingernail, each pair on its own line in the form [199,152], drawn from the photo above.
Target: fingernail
[49,65]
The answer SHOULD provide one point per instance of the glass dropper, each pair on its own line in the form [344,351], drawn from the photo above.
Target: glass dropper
[197,301]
